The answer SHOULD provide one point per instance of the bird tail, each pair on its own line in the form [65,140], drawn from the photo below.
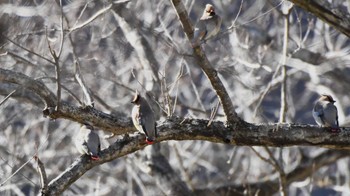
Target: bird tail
[95,157]
[149,141]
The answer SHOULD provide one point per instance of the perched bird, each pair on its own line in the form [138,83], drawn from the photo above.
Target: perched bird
[88,142]
[325,113]
[143,118]
[207,26]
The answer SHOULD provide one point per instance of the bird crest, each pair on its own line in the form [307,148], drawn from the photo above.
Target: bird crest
[325,97]
[136,97]
[209,8]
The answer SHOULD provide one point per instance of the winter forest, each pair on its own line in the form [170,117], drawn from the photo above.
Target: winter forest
[233,113]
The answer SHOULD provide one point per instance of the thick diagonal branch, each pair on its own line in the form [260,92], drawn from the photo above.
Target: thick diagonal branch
[323,10]
[205,65]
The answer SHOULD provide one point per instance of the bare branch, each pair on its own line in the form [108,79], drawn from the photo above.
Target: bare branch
[323,10]
[203,62]
[37,87]
[14,173]
[57,70]
[92,18]
[193,129]
[143,49]
[7,97]
[26,49]
[82,83]
[279,168]
[61,31]
[286,8]
[42,173]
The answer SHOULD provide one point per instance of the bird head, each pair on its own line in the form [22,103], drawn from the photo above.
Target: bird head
[326,97]
[209,9]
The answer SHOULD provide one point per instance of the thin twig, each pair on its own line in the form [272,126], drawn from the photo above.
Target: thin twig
[239,12]
[77,73]
[92,18]
[213,113]
[82,84]
[253,19]
[154,99]
[75,97]
[62,33]
[195,89]
[166,97]
[261,157]
[24,164]
[7,97]
[57,71]
[34,53]
[279,169]
[286,8]
[182,167]
[14,173]
[264,93]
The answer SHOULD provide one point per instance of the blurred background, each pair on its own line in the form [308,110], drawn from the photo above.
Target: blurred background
[140,45]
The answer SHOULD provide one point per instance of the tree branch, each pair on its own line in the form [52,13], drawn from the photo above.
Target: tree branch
[194,129]
[203,62]
[48,98]
[175,129]
[323,11]
[189,129]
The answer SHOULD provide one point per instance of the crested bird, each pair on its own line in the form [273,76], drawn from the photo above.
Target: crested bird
[143,118]
[207,26]
[88,142]
[325,112]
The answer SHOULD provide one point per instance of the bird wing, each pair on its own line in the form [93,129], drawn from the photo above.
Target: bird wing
[200,31]
[93,143]
[148,122]
[331,115]
[318,109]
[318,113]
[213,25]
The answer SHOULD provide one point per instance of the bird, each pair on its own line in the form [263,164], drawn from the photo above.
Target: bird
[143,118]
[207,26]
[325,112]
[88,142]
